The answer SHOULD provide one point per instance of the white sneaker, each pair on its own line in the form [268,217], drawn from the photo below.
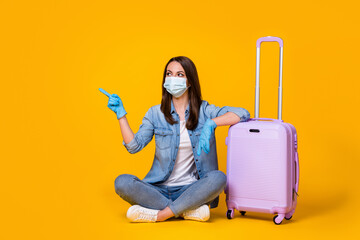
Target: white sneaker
[137,213]
[201,213]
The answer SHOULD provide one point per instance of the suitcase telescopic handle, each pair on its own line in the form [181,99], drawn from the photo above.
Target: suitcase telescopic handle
[270,119]
[269,39]
[257,87]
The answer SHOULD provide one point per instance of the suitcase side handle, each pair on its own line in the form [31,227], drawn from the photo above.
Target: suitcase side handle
[297,172]
[257,87]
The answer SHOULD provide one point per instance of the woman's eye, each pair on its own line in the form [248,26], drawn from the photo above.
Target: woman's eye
[168,73]
[180,74]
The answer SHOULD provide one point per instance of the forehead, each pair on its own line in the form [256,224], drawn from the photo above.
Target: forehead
[175,67]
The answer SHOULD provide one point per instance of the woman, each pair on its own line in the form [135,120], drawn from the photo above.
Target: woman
[184,178]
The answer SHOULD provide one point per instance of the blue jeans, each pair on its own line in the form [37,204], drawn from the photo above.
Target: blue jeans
[177,198]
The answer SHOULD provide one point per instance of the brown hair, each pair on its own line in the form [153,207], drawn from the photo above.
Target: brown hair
[194,92]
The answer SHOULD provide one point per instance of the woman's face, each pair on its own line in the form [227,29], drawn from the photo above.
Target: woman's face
[174,69]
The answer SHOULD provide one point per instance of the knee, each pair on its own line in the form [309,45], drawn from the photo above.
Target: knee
[218,177]
[122,182]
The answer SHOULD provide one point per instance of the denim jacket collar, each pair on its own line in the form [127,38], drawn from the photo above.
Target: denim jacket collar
[173,110]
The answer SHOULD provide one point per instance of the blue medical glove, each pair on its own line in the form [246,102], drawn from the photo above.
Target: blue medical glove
[115,104]
[204,141]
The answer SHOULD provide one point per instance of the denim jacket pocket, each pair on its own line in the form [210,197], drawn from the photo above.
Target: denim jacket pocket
[163,137]
[198,133]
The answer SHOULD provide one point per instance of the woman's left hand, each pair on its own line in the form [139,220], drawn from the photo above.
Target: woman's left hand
[204,141]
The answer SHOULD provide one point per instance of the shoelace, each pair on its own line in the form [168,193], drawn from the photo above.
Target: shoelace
[147,214]
[192,213]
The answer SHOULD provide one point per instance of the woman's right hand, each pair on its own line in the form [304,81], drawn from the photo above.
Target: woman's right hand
[115,104]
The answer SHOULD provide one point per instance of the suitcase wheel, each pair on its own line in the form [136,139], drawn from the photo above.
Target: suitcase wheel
[230,214]
[242,213]
[278,219]
[289,215]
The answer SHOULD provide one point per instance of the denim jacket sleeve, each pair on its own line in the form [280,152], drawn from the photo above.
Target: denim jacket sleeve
[211,111]
[143,136]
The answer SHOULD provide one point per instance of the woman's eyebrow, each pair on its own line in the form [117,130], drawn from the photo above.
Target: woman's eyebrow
[177,71]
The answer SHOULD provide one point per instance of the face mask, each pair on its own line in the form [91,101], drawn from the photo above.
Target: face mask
[176,86]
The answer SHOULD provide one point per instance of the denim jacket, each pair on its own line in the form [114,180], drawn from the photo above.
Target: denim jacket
[167,140]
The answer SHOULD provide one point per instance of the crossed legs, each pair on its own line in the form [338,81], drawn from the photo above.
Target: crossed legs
[135,191]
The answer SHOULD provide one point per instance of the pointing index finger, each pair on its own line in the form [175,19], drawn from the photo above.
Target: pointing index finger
[104,92]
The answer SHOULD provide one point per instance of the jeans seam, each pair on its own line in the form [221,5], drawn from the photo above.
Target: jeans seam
[171,206]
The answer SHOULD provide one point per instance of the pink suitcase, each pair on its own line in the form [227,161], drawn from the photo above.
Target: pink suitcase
[262,160]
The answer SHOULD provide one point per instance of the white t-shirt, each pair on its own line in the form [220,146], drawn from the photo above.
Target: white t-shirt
[184,171]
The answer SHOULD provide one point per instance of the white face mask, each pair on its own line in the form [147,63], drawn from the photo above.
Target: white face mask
[176,86]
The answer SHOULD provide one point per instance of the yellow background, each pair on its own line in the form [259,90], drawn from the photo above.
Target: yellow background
[61,147]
